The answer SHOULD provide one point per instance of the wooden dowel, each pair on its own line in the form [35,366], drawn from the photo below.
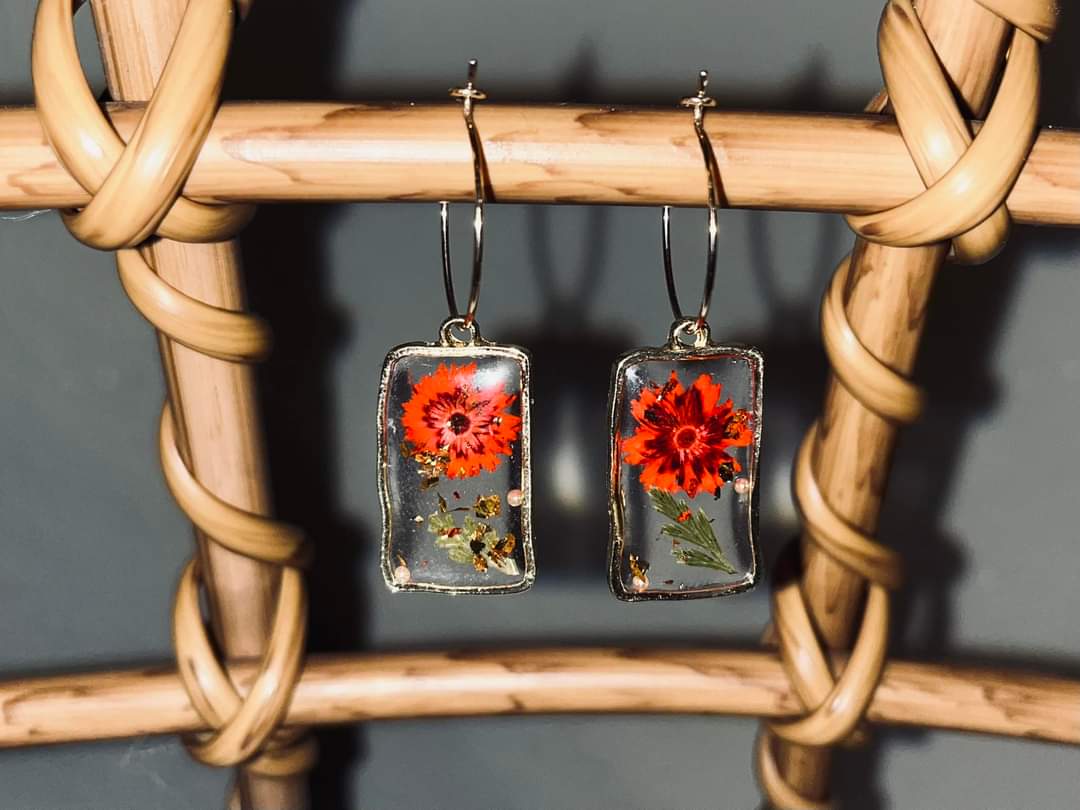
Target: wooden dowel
[348,689]
[213,401]
[343,151]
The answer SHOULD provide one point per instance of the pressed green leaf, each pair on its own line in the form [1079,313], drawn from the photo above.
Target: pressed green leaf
[460,554]
[666,504]
[472,529]
[694,529]
[443,541]
[703,560]
[440,523]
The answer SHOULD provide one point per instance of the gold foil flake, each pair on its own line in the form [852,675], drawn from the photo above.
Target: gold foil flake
[487,506]
[502,549]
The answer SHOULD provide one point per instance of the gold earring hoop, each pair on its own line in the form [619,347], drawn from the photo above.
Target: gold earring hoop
[469,94]
[454,427]
[698,103]
[685,423]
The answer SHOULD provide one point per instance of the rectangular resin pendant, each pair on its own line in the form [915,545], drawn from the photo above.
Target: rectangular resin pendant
[453,425]
[685,437]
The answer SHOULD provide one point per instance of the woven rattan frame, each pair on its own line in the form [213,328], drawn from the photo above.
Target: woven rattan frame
[151,181]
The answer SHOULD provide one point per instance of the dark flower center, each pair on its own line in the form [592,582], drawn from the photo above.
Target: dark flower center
[685,437]
[459,423]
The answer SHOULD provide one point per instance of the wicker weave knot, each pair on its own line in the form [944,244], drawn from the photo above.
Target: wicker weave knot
[245,726]
[967,179]
[135,186]
[135,190]
[246,723]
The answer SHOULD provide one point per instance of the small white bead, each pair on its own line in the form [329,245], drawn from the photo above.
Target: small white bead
[639,584]
[402,575]
[515,497]
[742,485]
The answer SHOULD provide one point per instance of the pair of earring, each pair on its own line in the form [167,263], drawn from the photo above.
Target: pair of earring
[454,421]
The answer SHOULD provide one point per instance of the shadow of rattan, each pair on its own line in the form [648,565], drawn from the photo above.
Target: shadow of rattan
[288,277]
[281,54]
[285,251]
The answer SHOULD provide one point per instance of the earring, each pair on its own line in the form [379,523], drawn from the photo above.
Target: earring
[685,436]
[453,431]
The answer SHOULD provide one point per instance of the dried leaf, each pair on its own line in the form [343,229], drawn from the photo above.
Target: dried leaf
[460,554]
[487,506]
[441,523]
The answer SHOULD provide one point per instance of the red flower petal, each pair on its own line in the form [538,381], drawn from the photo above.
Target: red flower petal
[683,435]
[448,413]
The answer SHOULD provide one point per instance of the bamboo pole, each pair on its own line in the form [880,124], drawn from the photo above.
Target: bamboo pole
[354,688]
[213,402]
[886,297]
[273,152]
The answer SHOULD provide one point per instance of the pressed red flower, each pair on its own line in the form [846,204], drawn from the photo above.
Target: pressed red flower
[448,413]
[683,435]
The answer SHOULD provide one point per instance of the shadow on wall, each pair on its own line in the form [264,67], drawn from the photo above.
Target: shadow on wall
[570,453]
[282,55]
[285,255]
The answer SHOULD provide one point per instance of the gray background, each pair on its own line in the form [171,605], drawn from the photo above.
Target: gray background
[983,497]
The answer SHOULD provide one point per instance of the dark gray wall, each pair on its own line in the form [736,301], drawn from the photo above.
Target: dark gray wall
[983,498]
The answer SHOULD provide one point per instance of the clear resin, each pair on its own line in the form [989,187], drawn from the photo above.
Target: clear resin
[454,468]
[686,427]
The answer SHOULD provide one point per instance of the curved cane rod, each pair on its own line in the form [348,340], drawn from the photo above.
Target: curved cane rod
[246,533]
[245,725]
[836,717]
[779,793]
[136,186]
[935,132]
[963,198]
[211,690]
[967,181]
[1037,17]
[813,674]
[882,390]
[241,723]
[843,542]
[221,333]
[135,190]
[242,726]
[815,677]
[296,752]
[835,707]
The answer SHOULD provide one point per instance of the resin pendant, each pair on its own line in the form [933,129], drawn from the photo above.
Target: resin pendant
[685,436]
[453,425]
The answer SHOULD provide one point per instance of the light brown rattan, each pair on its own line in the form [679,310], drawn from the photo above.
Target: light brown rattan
[542,153]
[871,322]
[145,179]
[135,193]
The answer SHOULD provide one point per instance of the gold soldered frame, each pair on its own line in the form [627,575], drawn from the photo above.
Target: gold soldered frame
[452,347]
[675,350]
